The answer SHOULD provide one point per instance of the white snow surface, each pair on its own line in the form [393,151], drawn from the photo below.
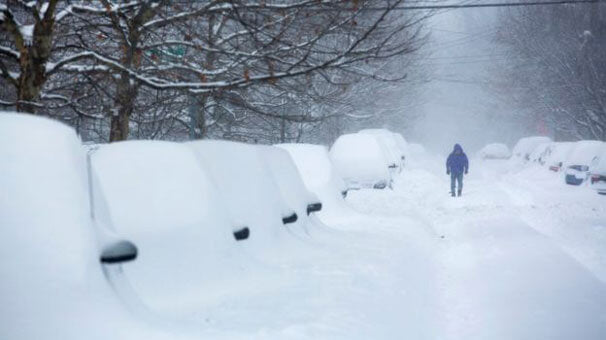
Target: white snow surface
[520,255]
[494,151]
[390,145]
[584,152]
[525,146]
[53,285]
[320,177]
[288,180]
[246,186]
[157,195]
[360,160]
[557,153]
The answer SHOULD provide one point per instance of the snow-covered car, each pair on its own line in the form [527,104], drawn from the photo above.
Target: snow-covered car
[289,182]
[157,195]
[583,155]
[540,154]
[556,155]
[494,151]
[597,174]
[318,174]
[388,142]
[56,261]
[525,146]
[402,145]
[246,186]
[361,161]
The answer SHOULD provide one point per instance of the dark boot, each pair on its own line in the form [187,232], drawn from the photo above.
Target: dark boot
[458,193]
[452,194]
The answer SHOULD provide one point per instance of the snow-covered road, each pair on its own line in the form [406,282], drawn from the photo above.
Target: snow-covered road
[519,256]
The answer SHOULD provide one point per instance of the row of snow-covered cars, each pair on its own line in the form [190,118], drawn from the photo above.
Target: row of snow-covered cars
[583,162]
[97,232]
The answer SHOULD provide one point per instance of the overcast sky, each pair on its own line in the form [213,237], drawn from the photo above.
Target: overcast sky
[457,105]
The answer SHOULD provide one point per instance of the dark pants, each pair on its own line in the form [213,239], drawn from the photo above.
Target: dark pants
[458,177]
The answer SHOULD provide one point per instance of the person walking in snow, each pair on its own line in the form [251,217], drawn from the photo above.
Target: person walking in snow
[457,164]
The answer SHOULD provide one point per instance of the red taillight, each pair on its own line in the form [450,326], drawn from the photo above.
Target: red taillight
[595,178]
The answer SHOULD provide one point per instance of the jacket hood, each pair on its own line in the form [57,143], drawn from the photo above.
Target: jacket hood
[458,147]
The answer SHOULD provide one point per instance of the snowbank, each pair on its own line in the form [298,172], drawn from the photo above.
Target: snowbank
[361,161]
[319,177]
[525,146]
[386,139]
[158,196]
[52,285]
[494,151]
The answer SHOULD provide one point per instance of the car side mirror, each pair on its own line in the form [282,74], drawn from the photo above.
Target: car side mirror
[290,218]
[344,193]
[313,207]
[119,252]
[242,234]
[392,166]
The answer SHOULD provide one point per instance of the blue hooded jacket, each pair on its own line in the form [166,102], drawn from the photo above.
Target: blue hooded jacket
[457,163]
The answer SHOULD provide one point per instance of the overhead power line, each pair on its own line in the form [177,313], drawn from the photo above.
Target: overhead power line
[493,4]
[441,7]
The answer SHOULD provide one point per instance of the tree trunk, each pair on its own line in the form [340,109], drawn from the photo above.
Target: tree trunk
[126,93]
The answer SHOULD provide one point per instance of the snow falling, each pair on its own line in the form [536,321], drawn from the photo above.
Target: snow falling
[373,169]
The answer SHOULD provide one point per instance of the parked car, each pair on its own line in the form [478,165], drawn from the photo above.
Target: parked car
[402,145]
[540,154]
[246,186]
[583,154]
[56,261]
[557,154]
[319,175]
[494,151]
[525,146]
[361,161]
[597,174]
[388,142]
[286,176]
[157,194]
